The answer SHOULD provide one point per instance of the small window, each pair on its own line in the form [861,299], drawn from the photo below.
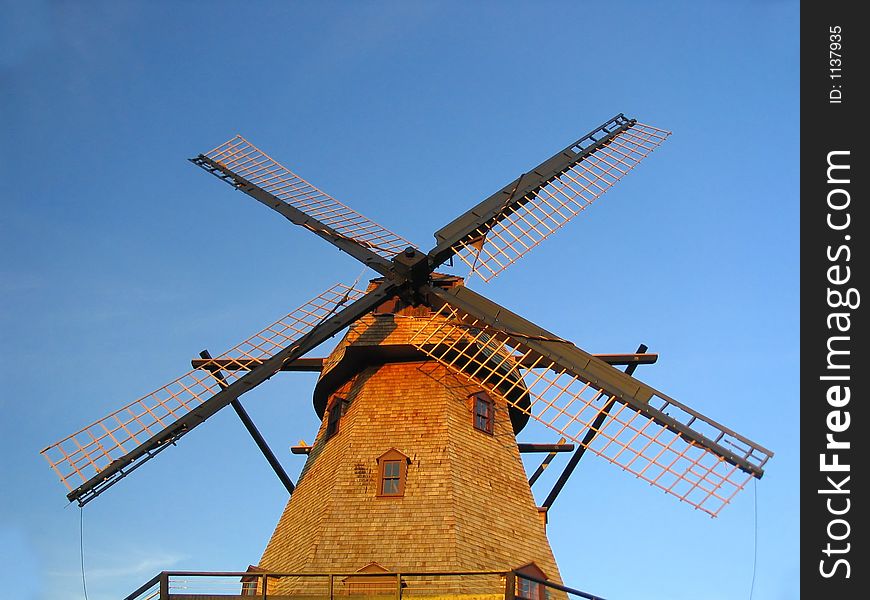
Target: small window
[392,470]
[336,409]
[390,480]
[526,589]
[483,411]
[251,581]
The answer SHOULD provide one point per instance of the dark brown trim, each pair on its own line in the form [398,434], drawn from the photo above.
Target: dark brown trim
[337,408]
[483,397]
[536,575]
[392,456]
[313,365]
[560,447]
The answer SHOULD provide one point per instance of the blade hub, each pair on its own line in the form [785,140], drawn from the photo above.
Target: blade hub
[412,267]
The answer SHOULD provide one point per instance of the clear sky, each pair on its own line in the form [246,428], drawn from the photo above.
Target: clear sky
[122,260]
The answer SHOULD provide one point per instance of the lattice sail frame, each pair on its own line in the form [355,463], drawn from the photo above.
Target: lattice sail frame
[565,403]
[249,162]
[77,458]
[544,211]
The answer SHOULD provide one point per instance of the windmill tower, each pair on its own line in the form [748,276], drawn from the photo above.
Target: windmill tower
[409,464]
[416,466]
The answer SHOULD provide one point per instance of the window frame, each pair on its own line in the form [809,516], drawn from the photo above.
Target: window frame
[537,591]
[483,397]
[393,478]
[392,456]
[334,413]
[534,592]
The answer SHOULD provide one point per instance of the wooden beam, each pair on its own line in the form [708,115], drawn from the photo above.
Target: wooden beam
[252,429]
[314,365]
[543,466]
[545,447]
[638,358]
[593,430]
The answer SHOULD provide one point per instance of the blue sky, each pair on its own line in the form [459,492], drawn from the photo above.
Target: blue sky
[122,260]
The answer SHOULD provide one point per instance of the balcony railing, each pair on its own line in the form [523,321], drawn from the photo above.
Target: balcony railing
[251,585]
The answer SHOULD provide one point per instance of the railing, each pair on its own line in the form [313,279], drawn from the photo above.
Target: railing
[472,585]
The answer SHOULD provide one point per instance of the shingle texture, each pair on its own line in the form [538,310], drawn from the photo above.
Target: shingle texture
[466,505]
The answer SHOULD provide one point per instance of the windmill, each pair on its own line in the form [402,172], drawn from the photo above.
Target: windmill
[422,399]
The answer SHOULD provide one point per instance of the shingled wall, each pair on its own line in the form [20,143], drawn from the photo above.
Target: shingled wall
[466,506]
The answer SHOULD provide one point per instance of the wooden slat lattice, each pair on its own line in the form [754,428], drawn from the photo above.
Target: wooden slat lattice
[244,159]
[502,364]
[542,212]
[80,456]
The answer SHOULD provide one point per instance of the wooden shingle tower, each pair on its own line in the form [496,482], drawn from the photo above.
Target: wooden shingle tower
[416,465]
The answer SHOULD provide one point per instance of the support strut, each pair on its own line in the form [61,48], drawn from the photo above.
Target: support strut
[546,463]
[252,429]
[594,428]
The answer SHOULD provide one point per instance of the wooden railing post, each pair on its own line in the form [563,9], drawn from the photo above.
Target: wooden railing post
[164,585]
[331,586]
[265,585]
[510,585]
[398,586]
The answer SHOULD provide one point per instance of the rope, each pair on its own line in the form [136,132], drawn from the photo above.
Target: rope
[755,541]
[325,317]
[358,277]
[496,216]
[82,549]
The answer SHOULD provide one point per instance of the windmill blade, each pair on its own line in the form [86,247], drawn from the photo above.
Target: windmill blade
[647,433]
[247,168]
[94,458]
[508,224]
